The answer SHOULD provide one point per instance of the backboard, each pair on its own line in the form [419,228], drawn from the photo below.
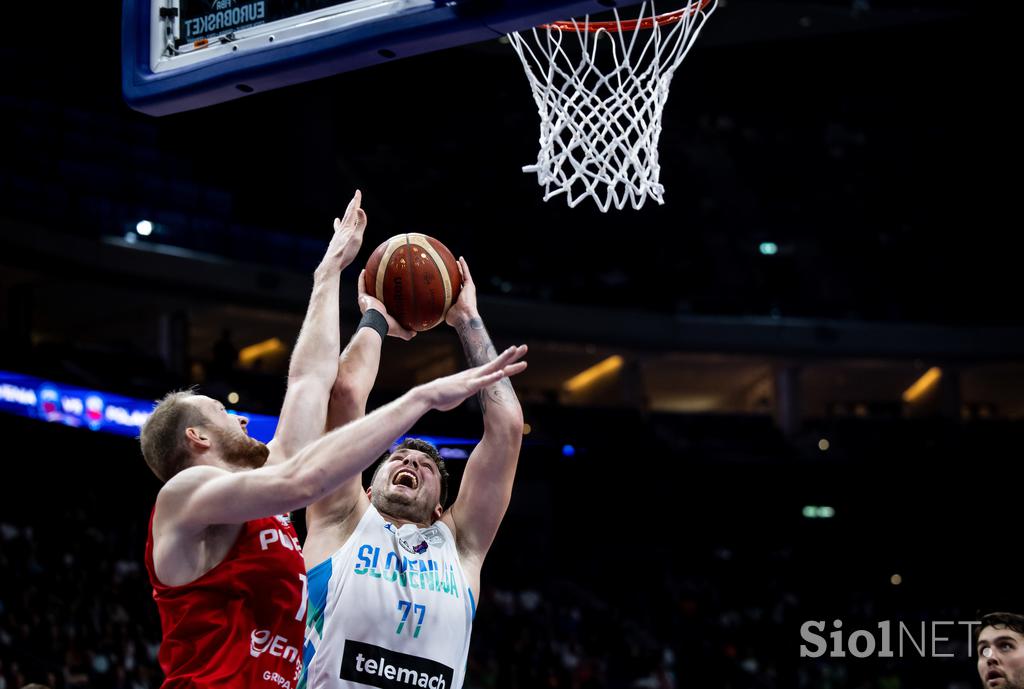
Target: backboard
[183,54]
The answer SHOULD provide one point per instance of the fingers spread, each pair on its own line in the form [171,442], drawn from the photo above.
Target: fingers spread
[494,376]
[489,379]
[515,368]
[517,354]
[501,360]
[507,357]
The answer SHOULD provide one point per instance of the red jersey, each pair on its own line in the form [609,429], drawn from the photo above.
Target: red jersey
[241,624]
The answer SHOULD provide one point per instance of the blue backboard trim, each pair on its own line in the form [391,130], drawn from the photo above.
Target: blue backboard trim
[291,62]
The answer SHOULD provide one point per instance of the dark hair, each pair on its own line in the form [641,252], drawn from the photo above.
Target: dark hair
[427,449]
[1008,620]
[163,441]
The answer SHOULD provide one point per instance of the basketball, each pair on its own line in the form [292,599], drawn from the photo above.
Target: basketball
[416,277]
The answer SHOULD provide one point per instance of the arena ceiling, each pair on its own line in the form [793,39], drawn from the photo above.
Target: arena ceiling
[863,139]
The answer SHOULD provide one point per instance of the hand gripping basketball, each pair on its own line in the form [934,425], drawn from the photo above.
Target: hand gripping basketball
[465,306]
[450,391]
[365,302]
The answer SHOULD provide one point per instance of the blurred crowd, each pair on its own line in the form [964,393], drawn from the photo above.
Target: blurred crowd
[76,612]
[75,607]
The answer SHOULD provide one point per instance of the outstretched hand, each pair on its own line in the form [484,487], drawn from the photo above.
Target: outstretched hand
[450,391]
[348,236]
[365,302]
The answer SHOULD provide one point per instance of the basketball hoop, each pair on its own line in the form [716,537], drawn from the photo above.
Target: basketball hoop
[600,110]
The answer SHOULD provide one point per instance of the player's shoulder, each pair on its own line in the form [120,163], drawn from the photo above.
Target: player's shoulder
[191,477]
[185,482]
[173,502]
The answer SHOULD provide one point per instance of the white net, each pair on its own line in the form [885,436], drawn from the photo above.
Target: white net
[600,94]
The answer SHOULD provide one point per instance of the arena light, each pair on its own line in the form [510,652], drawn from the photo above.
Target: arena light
[818,512]
[265,348]
[768,248]
[144,227]
[922,385]
[594,373]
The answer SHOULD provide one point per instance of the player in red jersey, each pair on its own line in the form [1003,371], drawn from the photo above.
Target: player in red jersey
[228,576]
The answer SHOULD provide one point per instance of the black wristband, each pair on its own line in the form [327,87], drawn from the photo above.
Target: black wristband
[374,319]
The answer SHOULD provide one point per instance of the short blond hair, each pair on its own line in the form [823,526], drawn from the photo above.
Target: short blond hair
[163,441]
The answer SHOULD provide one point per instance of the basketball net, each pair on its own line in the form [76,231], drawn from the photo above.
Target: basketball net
[600,88]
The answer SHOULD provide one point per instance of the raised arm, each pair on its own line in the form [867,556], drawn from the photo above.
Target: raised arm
[314,359]
[204,495]
[486,486]
[360,361]
[357,371]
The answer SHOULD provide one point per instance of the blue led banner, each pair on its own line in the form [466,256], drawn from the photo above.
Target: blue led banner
[41,399]
[96,410]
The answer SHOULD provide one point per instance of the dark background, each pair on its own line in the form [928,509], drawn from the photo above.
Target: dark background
[871,142]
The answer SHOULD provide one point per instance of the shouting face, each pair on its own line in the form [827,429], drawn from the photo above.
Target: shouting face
[407,486]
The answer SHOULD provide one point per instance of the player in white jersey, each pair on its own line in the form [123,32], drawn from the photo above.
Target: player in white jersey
[394,577]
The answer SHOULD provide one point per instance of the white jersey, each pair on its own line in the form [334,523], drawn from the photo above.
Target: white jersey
[388,609]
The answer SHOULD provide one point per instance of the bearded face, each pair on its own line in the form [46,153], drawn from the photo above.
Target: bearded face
[1001,658]
[239,450]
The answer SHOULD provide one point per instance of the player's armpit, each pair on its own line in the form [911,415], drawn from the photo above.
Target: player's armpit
[485,492]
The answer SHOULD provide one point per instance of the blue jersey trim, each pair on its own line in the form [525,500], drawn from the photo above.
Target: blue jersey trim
[317,580]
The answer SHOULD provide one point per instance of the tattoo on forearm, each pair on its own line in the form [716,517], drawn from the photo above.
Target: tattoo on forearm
[480,350]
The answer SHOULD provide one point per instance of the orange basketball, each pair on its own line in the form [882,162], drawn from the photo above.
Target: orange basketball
[416,277]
